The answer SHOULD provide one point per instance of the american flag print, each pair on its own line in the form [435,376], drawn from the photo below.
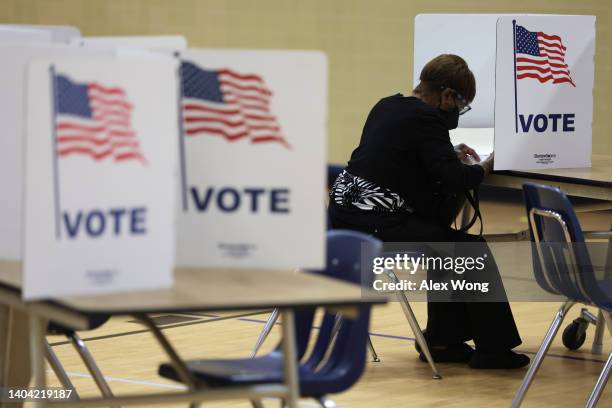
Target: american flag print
[94,120]
[228,104]
[541,56]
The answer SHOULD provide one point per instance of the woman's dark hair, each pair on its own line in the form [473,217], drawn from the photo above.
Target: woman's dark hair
[449,71]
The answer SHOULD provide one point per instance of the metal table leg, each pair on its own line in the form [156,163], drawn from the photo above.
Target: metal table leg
[5,341]
[290,359]
[15,359]
[37,356]
[90,364]
[58,369]
[179,365]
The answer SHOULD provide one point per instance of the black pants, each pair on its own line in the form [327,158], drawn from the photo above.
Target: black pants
[490,324]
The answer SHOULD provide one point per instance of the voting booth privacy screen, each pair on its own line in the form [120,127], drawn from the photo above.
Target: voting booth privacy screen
[100,157]
[37,34]
[534,82]
[103,180]
[13,117]
[544,91]
[252,159]
[472,37]
[157,42]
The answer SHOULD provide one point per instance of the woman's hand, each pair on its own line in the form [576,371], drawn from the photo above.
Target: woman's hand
[487,165]
[465,152]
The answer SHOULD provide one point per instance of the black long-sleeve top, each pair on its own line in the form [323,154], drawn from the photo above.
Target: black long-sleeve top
[405,147]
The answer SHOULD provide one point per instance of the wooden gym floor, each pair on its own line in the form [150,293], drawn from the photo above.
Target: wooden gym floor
[129,356]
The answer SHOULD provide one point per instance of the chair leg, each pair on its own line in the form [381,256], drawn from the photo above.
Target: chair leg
[257,403]
[265,332]
[332,340]
[414,325]
[58,369]
[537,361]
[608,319]
[600,384]
[605,372]
[375,357]
[597,347]
[90,364]
[336,329]
[326,402]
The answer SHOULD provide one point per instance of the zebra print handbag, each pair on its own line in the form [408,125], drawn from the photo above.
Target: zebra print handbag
[352,191]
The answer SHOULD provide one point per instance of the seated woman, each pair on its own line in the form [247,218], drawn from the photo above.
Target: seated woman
[395,187]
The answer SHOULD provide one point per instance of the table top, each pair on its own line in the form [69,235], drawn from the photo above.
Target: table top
[599,175]
[214,289]
[482,140]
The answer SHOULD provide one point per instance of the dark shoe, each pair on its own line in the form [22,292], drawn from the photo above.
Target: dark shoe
[502,360]
[455,353]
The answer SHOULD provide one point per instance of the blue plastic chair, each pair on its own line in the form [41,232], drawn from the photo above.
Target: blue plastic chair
[333,171]
[562,266]
[335,363]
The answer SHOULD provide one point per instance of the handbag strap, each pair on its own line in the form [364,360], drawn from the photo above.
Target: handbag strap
[475,203]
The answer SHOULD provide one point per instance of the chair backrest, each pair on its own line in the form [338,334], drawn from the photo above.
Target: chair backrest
[333,171]
[344,249]
[336,363]
[561,261]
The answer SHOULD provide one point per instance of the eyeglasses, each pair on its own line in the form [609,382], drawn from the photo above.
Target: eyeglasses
[459,98]
[466,106]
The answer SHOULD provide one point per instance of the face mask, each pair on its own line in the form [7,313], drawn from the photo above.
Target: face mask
[451,118]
